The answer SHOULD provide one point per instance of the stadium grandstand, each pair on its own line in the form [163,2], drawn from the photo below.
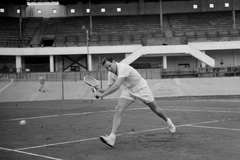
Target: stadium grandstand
[170,38]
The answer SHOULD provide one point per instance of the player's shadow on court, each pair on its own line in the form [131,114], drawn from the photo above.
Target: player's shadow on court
[148,140]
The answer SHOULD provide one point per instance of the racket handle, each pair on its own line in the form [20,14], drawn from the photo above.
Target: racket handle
[93,89]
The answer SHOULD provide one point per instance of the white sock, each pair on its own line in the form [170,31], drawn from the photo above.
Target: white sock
[112,136]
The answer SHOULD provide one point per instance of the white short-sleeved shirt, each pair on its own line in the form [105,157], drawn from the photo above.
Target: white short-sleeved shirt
[132,77]
[135,86]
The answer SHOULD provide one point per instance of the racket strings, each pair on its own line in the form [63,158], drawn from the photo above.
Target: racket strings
[91,81]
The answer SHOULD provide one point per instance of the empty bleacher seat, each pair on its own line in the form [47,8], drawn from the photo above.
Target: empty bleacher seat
[105,39]
[234,33]
[137,38]
[82,40]
[60,41]
[213,35]
[71,41]
[105,25]
[178,33]
[211,26]
[115,39]
[127,39]
[10,33]
[94,40]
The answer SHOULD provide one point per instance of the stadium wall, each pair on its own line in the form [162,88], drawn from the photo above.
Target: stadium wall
[28,91]
[126,8]
[227,56]
[47,11]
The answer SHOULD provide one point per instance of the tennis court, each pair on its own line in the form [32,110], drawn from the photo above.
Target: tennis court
[70,130]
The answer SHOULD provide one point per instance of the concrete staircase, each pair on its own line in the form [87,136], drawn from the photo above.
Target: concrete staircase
[38,35]
[167,27]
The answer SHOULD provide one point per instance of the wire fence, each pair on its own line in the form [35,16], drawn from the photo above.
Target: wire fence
[103,75]
[72,76]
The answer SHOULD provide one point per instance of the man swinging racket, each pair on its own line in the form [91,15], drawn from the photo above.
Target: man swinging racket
[135,87]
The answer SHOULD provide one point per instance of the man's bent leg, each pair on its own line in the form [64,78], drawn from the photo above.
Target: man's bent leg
[156,109]
[123,103]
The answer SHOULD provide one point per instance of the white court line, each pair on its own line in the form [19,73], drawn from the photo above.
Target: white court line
[67,114]
[56,115]
[6,85]
[208,127]
[127,133]
[28,153]
[107,111]
[198,110]
[60,143]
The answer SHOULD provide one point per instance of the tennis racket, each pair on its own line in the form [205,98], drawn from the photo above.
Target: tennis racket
[91,82]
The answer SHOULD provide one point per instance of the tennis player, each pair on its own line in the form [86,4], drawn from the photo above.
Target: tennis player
[42,82]
[135,87]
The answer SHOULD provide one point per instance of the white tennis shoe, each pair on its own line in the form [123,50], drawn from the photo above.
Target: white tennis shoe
[171,126]
[110,141]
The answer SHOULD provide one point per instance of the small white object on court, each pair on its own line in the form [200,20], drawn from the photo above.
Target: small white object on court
[22,122]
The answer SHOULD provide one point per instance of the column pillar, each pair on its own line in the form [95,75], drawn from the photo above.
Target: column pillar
[18,64]
[164,62]
[51,59]
[203,64]
[89,61]
[127,54]
[235,58]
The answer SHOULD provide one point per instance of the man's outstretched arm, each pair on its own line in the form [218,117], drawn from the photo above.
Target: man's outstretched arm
[113,88]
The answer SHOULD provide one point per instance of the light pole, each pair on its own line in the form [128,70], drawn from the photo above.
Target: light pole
[62,77]
[87,37]
[88,55]
[87,34]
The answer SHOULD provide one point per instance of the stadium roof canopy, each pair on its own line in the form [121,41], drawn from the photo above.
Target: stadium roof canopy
[24,2]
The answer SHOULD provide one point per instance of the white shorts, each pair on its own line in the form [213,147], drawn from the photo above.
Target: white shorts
[140,91]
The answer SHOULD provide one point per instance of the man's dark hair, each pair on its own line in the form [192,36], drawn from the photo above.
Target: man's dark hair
[105,59]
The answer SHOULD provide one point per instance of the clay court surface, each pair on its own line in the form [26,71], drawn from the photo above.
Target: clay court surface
[70,130]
